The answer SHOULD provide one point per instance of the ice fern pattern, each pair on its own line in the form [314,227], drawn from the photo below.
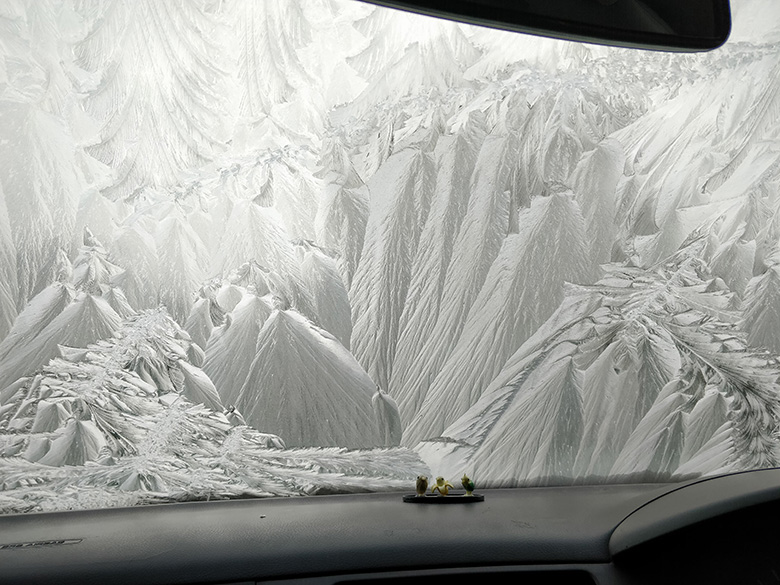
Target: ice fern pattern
[313,246]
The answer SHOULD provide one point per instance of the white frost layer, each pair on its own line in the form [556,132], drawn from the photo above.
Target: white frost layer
[39,312]
[400,197]
[86,320]
[307,388]
[476,246]
[320,276]
[456,157]
[232,348]
[522,289]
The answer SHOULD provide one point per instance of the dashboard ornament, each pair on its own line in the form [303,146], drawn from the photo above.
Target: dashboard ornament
[467,484]
[443,487]
[422,485]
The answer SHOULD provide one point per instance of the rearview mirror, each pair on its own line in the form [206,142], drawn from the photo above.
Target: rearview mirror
[668,25]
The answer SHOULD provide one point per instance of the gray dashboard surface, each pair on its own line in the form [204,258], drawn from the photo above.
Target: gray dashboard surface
[694,502]
[238,540]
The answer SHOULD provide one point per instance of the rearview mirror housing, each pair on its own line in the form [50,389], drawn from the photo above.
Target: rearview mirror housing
[665,25]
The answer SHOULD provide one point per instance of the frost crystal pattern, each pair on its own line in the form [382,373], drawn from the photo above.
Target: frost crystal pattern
[304,246]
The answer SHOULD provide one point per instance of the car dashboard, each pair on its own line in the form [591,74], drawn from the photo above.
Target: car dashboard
[714,530]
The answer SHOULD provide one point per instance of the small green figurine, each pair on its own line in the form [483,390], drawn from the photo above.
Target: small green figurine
[442,486]
[467,484]
[422,485]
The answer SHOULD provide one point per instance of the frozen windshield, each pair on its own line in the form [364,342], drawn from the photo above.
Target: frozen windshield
[256,248]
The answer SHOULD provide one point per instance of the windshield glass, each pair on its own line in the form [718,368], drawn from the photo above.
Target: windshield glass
[313,246]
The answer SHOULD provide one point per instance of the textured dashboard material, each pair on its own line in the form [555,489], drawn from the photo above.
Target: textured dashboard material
[693,503]
[231,541]
[714,530]
[738,547]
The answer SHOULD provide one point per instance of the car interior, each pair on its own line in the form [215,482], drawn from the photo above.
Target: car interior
[718,528]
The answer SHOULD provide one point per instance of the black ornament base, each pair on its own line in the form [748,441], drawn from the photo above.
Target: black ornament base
[450,499]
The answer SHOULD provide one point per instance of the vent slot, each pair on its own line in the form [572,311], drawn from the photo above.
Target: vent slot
[494,577]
